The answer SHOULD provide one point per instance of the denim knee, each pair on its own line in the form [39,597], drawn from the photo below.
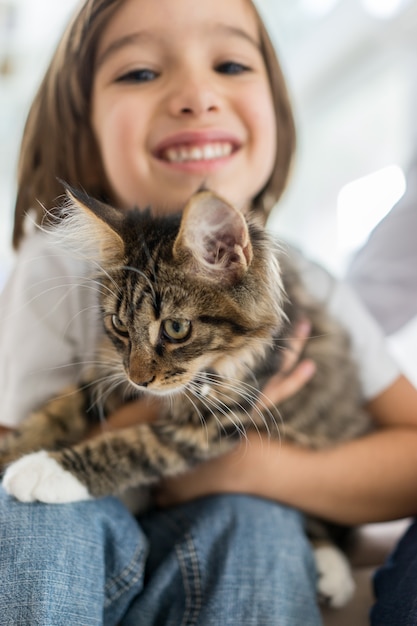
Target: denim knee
[266,542]
[238,560]
[62,564]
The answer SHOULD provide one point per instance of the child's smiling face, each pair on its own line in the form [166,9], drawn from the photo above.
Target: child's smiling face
[181,99]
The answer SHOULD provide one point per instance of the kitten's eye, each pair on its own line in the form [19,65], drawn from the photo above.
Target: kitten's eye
[119,327]
[176,330]
[232,67]
[143,75]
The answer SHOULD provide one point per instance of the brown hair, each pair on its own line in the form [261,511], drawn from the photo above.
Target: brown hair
[58,141]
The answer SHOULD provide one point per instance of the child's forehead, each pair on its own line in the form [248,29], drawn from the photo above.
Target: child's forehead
[164,19]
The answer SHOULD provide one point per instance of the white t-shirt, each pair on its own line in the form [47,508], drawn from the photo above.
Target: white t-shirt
[49,327]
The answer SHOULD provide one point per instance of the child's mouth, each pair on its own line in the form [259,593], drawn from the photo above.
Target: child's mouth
[192,153]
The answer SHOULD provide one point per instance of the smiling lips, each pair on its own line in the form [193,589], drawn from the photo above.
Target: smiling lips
[205,152]
[194,147]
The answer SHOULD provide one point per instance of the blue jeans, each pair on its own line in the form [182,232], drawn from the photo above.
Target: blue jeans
[395,585]
[230,560]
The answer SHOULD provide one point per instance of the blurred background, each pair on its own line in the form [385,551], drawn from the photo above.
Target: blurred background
[351,70]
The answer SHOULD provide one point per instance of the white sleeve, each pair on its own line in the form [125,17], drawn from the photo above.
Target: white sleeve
[377,368]
[48,327]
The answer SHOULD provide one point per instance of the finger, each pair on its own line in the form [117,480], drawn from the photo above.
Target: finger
[279,389]
[163,497]
[295,345]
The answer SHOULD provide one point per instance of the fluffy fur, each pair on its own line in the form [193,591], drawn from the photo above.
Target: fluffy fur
[196,308]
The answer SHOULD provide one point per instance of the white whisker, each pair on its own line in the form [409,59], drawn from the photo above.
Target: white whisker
[255,398]
[197,410]
[222,408]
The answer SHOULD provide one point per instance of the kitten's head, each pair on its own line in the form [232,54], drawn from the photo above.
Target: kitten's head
[180,294]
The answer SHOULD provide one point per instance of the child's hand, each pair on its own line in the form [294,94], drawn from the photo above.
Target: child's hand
[291,377]
[233,472]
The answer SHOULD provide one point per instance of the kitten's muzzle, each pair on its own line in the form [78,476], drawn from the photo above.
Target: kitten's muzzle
[144,383]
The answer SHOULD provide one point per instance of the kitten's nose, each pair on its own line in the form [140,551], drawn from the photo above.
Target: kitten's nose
[145,383]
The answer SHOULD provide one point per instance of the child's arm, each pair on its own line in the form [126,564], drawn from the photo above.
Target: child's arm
[370,479]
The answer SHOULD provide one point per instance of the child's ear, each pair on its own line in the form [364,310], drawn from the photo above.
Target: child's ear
[213,240]
[92,228]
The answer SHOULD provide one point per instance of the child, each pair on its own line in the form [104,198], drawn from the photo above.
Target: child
[142,104]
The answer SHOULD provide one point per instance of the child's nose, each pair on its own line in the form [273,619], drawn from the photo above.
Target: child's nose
[193,98]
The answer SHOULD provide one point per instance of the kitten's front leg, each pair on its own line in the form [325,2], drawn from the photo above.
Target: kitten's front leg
[110,463]
[38,476]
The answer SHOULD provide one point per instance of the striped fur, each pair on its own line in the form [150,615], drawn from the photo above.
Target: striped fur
[219,285]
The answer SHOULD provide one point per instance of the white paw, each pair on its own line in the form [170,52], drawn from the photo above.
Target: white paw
[37,476]
[335,584]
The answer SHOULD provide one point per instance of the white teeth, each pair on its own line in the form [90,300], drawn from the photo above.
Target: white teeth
[206,152]
[196,154]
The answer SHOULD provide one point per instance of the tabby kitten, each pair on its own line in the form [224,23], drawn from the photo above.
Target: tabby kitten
[196,308]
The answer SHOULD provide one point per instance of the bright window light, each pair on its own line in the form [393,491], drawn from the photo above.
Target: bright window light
[384,9]
[363,203]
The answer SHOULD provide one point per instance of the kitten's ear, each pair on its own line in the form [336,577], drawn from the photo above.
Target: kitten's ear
[92,228]
[213,240]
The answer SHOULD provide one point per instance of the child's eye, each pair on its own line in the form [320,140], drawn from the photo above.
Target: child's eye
[232,67]
[137,76]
